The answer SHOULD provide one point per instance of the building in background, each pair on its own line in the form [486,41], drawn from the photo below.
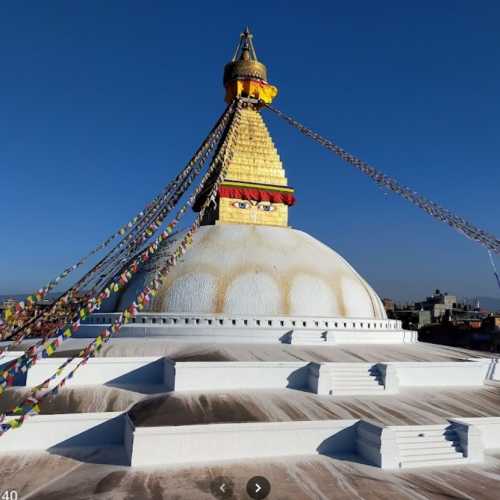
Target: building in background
[440,304]
[442,318]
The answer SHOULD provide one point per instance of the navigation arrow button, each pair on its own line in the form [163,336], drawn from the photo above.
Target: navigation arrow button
[258,488]
[222,487]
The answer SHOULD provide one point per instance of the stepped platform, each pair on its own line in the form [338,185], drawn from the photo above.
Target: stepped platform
[413,406]
[303,404]
[207,351]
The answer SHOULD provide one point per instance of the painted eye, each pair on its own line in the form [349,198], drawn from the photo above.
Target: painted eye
[266,208]
[241,204]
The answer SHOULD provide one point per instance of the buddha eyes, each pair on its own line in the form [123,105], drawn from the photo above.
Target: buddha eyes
[243,205]
[266,208]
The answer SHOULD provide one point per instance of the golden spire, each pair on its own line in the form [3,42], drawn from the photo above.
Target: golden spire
[245,75]
[255,189]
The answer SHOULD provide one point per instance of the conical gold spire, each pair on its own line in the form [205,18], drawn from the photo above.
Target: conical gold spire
[255,189]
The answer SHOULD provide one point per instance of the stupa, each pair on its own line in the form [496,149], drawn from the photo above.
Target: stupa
[245,260]
[265,367]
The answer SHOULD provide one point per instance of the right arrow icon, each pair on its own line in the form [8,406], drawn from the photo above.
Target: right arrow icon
[258,488]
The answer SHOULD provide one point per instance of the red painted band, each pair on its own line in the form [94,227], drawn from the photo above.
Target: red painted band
[253,194]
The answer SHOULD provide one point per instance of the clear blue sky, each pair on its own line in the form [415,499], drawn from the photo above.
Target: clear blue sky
[103,102]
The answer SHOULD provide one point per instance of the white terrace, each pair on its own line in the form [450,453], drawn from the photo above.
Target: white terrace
[270,408]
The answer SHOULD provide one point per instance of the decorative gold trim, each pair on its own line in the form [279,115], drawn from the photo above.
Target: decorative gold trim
[270,187]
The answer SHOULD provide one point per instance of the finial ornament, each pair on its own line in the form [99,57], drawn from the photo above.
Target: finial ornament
[245,75]
[245,44]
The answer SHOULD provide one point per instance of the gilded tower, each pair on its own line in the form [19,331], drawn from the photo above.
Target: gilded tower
[255,190]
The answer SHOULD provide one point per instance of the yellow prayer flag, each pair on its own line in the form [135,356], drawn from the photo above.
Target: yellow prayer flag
[14,423]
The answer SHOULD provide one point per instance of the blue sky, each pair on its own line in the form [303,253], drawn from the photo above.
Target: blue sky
[103,102]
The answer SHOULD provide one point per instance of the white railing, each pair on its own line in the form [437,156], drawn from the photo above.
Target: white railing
[265,322]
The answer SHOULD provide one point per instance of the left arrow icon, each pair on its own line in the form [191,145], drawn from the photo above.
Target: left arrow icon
[222,487]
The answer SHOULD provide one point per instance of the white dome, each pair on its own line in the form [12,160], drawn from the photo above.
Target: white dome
[258,270]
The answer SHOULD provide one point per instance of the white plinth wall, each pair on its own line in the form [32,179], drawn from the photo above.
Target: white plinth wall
[318,378]
[301,330]
[458,442]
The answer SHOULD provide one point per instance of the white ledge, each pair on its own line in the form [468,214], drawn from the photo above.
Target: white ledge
[304,330]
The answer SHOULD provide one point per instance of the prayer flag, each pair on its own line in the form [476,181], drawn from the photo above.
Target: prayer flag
[16,422]
[34,410]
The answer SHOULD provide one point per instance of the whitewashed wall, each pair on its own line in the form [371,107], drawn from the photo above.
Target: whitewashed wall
[302,330]
[216,442]
[239,375]
[123,370]
[453,373]
[43,432]
[489,428]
